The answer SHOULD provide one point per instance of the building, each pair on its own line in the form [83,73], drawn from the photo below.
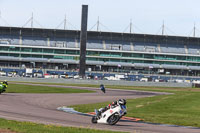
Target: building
[106,51]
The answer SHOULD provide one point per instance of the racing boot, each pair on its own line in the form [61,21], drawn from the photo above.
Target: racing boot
[98,113]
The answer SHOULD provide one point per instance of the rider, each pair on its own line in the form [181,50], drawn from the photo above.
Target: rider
[5,82]
[4,85]
[102,88]
[112,105]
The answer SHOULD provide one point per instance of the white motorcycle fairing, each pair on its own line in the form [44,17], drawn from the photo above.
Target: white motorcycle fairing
[111,116]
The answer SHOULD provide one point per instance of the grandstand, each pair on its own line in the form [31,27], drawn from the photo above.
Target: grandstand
[106,51]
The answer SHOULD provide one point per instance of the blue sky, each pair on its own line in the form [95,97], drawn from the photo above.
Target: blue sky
[147,15]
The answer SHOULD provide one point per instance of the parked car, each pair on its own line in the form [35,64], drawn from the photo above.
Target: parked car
[2,73]
[160,80]
[146,79]
[46,75]
[38,75]
[12,74]
[179,81]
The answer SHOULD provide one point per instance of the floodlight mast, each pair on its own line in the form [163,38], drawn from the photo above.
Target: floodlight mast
[194,30]
[83,41]
[65,22]
[163,28]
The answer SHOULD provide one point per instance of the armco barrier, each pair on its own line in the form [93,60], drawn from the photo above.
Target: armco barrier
[97,82]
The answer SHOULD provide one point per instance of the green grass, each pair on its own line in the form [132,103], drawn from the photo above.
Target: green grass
[107,86]
[180,108]
[28,127]
[20,88]
[81,85]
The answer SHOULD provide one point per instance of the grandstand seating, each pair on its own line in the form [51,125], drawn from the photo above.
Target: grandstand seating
[4,39]
[113,45]
[34,41]
[139,47]
[172,48]
[63,42]
[71,44]
[101,44]
[94,44]
[192,49]
[126,46]
[147,47]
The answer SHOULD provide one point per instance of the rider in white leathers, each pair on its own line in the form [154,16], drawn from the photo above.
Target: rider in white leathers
[112,105]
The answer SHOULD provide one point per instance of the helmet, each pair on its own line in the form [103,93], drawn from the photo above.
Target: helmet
[122,101]
[5,82]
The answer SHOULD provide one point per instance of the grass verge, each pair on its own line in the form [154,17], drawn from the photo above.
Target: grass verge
[20,88]
[29,127]
[180,108]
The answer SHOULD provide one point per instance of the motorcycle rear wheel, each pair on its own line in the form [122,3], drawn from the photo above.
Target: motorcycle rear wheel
[113,119]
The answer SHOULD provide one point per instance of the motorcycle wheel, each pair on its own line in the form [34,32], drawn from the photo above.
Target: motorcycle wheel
[94,119]
[103,90]
[113,119]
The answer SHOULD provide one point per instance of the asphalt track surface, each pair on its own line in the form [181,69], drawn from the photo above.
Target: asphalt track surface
[42,108]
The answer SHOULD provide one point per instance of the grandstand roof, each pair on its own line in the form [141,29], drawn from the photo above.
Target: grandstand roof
[57,33]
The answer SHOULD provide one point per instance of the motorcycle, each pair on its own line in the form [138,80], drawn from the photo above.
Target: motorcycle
[3,87]
[103,88]
[110,116]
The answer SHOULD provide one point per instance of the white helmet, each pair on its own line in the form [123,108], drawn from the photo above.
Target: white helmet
[122,101]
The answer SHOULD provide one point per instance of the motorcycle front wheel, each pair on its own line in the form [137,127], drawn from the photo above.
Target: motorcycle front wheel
[113,119]
[94,119]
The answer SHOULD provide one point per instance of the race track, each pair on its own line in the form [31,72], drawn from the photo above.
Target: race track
[42,108]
